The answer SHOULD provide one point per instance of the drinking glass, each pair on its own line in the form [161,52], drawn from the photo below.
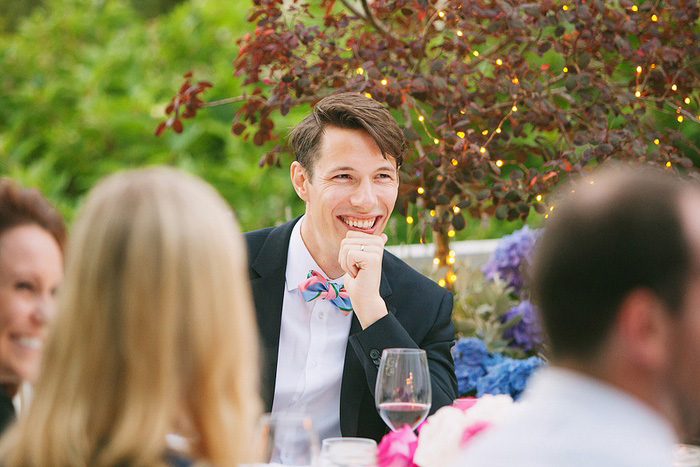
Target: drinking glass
[287,439]
[403,392]
[348,452]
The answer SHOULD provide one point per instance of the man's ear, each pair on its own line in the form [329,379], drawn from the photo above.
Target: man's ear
[645,325]
[300,180]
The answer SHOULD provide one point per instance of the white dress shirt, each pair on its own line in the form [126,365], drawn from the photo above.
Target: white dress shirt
[566,419]
[311,355]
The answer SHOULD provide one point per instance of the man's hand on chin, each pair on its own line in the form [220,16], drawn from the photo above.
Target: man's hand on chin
[361,258]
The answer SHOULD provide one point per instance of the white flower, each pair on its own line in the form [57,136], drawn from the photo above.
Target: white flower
[440,439]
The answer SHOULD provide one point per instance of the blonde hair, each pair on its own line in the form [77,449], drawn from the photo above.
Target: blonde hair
[155,322]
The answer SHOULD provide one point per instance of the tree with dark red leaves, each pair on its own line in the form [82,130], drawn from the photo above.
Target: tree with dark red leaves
[500,99]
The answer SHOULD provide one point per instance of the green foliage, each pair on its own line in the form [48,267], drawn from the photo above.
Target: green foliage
[479,304]
[82,89]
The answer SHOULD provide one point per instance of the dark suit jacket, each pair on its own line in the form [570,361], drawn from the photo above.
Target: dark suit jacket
[419,316]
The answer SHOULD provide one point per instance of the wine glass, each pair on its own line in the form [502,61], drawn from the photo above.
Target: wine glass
[403,392]
[348,452]
[286,439]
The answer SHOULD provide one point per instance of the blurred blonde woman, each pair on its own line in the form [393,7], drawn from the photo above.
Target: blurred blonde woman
[154,336]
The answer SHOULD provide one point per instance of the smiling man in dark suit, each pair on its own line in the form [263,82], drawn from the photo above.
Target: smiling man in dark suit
[321,359]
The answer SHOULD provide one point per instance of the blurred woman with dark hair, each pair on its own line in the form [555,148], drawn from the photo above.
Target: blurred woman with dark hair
[155,334]
[32,235]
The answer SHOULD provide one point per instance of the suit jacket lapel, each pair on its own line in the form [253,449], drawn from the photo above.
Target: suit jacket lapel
[268,293]
[354,383]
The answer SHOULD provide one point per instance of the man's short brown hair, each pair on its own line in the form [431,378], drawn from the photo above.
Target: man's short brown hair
[352,111]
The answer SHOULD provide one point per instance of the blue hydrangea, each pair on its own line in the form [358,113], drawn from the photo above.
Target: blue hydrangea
[470,356]
[511,253]
[527,333]
[508,377]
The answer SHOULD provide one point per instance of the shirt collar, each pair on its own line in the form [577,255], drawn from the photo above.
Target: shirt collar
[299,260]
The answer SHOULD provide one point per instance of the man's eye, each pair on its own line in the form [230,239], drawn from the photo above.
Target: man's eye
[342,176]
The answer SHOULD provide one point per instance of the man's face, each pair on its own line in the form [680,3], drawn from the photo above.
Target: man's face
[685,341]
[353,188]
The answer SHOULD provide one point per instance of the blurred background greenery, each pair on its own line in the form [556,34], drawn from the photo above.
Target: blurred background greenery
[83,84]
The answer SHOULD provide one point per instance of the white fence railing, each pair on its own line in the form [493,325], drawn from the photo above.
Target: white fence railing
[476,252]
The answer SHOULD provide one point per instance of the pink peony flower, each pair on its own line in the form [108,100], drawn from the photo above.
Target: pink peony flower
[464,403]
[397,449]
[472,430]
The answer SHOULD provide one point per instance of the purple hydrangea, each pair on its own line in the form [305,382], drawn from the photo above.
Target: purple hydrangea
[508,377]
[527,333]
[511,253]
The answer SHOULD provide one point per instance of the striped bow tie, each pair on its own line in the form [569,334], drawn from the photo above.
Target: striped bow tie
[317,286]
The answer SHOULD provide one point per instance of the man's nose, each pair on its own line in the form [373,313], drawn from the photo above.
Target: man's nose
[364,194]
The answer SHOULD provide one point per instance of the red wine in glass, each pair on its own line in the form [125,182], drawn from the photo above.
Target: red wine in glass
[399,414]
[403,392]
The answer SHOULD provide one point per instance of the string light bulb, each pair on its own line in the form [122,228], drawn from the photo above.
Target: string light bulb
[635,8]
[436,261]
[436,141]
[441,14]
[432,213]
[451,233]
[461,134]
[565,7]
[482,149]
[656,141]
[538,198]
[565,69]
[384,82]
[639,70]
[499,62]
[687,100]
[680,119]
[637,93]
[499,163]
[368,95]
[654,18]
[498,130]
[514,108]
[485,132]
[460,33]
[452,277]
[421,118]
[409,220]
[674,87]
[451,254]
[450,261]
[515,80]
[442,283]
[455,162]
[456,209]
[421,190]
[668,164]
[475,53]
[360,71]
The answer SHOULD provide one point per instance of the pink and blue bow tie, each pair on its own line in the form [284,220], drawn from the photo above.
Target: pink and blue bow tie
[317,286]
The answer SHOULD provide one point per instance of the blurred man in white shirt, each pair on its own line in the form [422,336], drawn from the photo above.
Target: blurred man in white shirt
[617,277]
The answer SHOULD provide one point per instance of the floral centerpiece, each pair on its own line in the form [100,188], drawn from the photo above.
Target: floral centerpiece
[500,340]
[442,436]
[499,346]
